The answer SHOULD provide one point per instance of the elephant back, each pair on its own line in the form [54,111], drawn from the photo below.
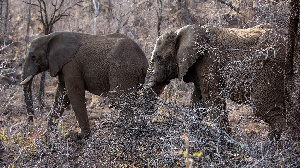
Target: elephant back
[119,60]
[241,55]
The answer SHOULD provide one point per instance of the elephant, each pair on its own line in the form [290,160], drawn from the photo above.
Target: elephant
[243,65]
[96,63]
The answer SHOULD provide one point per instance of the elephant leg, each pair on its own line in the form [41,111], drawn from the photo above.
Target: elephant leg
[211,84]
[216,108]
[197,102]
[77,99]
[61,102]
[277,122]
[76,91]
[196,97]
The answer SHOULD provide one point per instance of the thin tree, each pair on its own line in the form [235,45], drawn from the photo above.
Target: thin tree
[28,23]
[109,15]
[159,16]
[49,15]
[96,14]
[121,17]
[1,20]
[229,4]
[184,14]
[289,80]
[6,17]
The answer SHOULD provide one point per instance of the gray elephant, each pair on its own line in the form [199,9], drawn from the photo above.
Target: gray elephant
[82,62]
[244,65]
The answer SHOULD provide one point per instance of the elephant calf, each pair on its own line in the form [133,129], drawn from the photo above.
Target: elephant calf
[82,62]
[244,65]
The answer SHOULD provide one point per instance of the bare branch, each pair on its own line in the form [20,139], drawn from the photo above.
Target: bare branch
[70,7]
[229,4]
[53,16]
[41,14]
[45,11]
[61,3]
[33,4]
[49,19]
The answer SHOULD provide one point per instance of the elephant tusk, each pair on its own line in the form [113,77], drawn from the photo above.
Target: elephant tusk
[151,84]
[26,80]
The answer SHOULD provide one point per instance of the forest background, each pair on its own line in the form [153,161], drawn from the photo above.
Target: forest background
[142,20]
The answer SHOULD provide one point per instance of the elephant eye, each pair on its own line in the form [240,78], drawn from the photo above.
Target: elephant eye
[158,56]
[33,57]
[159,42]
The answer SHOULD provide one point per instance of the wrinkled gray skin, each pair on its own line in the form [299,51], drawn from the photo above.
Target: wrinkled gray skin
[82,62]
[244,65]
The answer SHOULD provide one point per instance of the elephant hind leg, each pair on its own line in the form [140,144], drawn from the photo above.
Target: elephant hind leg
[196,96]
[277,123]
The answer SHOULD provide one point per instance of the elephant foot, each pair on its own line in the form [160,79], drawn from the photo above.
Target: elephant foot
[75,136]
[84,134]
[277,126]
[274,135]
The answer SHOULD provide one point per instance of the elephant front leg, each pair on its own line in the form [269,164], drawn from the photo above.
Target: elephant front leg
[215,103]
[77,99]
[76,92]
[197,102]
[61,102]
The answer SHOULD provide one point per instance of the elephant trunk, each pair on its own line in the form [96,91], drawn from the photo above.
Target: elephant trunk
[152,82]
[28,100]
[158,87]
[28,73]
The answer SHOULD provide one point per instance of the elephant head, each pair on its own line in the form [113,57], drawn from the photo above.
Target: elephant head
[49,52]
[175,53]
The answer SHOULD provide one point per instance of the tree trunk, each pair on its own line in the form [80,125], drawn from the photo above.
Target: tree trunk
[289,81]
[159,16]
[184,15]
[6,17]
[96,13]
[47,30]
[109,15]
[1,17]
[28,24]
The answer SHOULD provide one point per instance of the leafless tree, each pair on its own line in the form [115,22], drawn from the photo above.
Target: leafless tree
[1,20]
[6,17]
[109,12]
[96,5]
[122,18]
[184,15]
[159,16]
[291,102]
[49,15]
[229,4]
[28,23]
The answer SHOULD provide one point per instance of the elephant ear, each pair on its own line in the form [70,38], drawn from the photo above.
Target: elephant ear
[62,47]
[191,43]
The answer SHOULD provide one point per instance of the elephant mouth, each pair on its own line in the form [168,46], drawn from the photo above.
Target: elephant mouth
[158,87]
[160,77]
[25,81]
